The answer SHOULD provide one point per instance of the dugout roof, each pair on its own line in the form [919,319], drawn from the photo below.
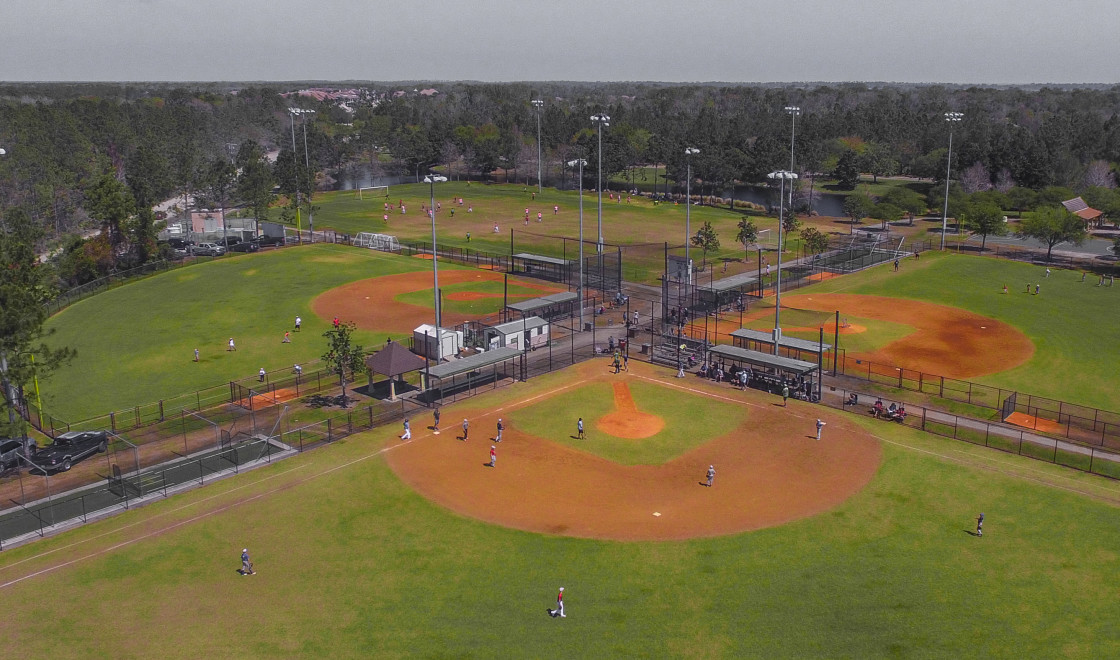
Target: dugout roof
[731,283]
[534,304]
[764,337]
[758,359]
[473,362]
[541,259]
[511,327]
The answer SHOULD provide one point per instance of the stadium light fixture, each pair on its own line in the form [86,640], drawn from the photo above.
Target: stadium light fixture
[952,118]
[688,153]
[538,104]
[782,176]
[601,120]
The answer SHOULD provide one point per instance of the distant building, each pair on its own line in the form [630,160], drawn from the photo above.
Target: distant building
[1090,215]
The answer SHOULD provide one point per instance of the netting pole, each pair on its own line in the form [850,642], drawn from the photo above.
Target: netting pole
[835,342]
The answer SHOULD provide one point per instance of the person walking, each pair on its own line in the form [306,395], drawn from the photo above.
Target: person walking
[1036,287]
[980,525]
[196,355]
[466,428]
[407,430]
[711,475]
[493,456]
[261,375]
[299,322]
[559,611]
[435,426]
[579,429]
[246,563]
[232,346]
[785,394]
[820,425]
[500,429]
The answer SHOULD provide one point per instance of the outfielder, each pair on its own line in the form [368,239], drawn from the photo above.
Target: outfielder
[559,611]
[579,428]
[407,430]
[980,525]
[246,564]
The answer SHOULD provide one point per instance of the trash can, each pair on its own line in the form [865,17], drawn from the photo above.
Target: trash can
[587,327]
[645,349]
[632,332]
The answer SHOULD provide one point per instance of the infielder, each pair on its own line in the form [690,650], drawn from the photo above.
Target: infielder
[407,430]
[435,426]
[246,564]
[559,611]
[500,429]
[785,394]
[820,425]
[493,455]
[711,475]
[466,428]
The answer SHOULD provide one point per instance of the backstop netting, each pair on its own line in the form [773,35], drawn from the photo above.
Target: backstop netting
[373,241]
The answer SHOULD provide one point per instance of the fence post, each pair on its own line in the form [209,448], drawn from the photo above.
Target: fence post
[941,388]
[923,419]
[161,410]
[330,438]
[113,422]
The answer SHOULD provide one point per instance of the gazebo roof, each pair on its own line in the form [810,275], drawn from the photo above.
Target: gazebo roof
[394,360]
[1078,207]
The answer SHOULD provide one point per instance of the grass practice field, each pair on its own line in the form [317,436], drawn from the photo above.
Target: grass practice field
[352,562]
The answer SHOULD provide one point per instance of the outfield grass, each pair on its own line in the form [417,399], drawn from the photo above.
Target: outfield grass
[136,343]
[352,563]
[639,222]
[1072,323]
[690,421]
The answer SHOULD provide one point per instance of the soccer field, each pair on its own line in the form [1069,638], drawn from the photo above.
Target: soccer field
[354,561]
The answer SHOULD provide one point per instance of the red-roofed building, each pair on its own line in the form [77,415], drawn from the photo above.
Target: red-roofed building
[1078,207]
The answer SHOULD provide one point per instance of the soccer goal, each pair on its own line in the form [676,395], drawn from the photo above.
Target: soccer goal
[373,191]
[373,241]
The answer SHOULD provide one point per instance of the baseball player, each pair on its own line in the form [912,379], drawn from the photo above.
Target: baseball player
[435,426]
[246,563]
[559,611]
[500,429]
[407,430]
[785,394]
[493,455]
[466,428]
[261,375]
[196,355]
[579,429]
[711,475]
[299,322]
[232,346]
[980,525]
[820,425]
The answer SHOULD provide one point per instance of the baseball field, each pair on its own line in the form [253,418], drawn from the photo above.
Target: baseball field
[861,544]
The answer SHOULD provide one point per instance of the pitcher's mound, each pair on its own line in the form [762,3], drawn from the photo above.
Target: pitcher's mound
[626,421]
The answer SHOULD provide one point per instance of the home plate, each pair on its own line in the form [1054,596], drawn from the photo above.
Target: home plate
[657,513]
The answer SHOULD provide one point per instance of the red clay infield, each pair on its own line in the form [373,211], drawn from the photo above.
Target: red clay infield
[370,304]
[947,341]
[769,471]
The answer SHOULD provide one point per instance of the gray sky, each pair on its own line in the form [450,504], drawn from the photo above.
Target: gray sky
[994,41]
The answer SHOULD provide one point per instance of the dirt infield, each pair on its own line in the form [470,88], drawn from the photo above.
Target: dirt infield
[947,341]
[626,421]
[261,400]
[770,470]
[371,304]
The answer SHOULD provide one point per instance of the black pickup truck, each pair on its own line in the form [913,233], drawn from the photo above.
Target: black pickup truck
[69,448]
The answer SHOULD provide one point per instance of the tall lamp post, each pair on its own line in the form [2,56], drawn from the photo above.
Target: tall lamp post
[537,103]
[793,111]
[688,152]
[307,167]
[952,118]
[602,120]
[782,176]
[299,224]
[435,267]
[581,162]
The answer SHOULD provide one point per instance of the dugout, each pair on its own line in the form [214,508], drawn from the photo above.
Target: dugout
[444,383]
[546,307]
[764,341]
[769,372]
[532,332]
[542,267]
[727,291]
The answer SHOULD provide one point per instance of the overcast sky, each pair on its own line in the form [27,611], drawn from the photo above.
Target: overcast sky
[952,41]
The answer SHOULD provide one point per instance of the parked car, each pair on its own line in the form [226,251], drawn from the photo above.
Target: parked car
[227,242]
[69,448]
[246,246]
[208,250]
[10,451]
[269,241]
[435,178]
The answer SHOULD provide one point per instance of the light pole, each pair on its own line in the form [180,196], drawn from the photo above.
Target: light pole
[688,152]
[782,175]
[581,162]
[299,224]
[952,118]
[537,103]
[793,111]
[435,268]
[602,120]
[307,167]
